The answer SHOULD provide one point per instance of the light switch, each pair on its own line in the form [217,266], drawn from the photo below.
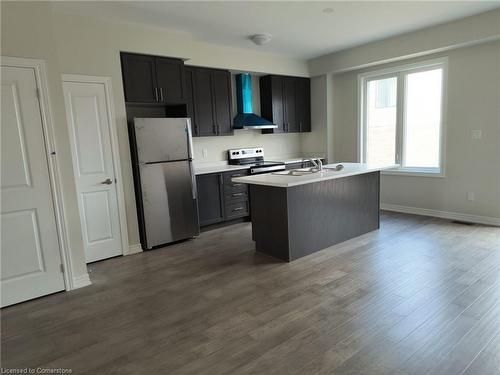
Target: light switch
[471,196]
[204,153]
[477,134]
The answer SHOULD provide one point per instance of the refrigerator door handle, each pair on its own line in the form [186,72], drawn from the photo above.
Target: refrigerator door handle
[194,191]
[189,138]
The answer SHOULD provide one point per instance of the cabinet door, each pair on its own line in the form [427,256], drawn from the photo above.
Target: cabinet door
[303,100]
[221,81]
[170,79]
[210,198]
[189,81]
[278,105]
[139,78]
[203,102]
[291,124]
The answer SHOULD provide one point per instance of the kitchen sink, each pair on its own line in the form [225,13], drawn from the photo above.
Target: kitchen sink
[307,171]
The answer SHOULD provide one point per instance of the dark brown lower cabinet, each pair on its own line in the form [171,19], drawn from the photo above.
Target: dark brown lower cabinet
[219,199]
[210,198]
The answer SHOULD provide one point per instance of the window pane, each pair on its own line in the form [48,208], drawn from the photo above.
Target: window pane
[386,93]
[381,121]
[422,119]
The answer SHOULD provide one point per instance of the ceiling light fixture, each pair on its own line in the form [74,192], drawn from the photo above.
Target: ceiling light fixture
[261,39]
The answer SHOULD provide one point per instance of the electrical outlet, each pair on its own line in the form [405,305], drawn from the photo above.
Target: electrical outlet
[471,196]
[204,153]
[476,134]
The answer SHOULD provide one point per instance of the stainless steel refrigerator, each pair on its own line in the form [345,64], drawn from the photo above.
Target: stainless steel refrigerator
[168,205]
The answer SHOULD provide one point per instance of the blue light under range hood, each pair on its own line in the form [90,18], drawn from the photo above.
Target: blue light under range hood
[246,119]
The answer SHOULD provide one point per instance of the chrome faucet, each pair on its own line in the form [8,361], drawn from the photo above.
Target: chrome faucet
[317,163]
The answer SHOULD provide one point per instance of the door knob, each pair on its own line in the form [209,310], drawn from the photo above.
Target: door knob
[107,182]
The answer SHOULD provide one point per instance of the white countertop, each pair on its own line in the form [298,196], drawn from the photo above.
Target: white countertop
[285,181]
[217,167]
[223,166]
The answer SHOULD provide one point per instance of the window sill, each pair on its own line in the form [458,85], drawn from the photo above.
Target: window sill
[415,172]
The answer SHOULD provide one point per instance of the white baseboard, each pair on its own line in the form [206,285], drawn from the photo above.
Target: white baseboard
[134,249]
[81,281]
[486,220]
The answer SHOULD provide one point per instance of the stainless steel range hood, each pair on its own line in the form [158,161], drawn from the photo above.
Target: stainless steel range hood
[246,119]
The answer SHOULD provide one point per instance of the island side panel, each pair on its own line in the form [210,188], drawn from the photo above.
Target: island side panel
[326,213]
[268,206]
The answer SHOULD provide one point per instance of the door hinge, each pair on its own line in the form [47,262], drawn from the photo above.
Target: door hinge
[37,93]
[61,268]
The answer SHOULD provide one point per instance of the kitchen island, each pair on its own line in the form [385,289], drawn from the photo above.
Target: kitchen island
[294,215]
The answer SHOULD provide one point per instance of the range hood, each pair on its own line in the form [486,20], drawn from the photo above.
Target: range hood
[246,119]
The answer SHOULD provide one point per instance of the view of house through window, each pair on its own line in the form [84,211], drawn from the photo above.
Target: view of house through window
[406,130]
[381,121]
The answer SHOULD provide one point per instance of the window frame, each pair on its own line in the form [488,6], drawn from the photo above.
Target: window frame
[401,72]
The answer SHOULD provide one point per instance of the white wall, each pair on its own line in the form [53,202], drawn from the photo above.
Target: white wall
[473,103]
[319,141]
[81,45]
[471,166]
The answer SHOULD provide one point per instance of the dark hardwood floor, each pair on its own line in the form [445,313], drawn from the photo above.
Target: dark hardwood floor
[419,296]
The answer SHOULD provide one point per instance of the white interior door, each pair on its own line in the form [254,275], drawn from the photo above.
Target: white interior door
[88,117]
[30,253]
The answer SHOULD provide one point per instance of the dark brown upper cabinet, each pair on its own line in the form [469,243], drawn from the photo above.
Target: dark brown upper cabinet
[303,104]
[221,80]
[210,95]
[286,102]
[152,79]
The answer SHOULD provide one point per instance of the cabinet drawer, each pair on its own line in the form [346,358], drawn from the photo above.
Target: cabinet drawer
[236,196]
[234,187]
[235,210]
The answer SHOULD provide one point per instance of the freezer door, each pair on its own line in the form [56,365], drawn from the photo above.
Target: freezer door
[162,139]
[169,202]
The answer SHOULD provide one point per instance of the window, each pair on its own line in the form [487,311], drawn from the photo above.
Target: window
[401,117]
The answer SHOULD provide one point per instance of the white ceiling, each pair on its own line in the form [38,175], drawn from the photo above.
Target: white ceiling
[300,29]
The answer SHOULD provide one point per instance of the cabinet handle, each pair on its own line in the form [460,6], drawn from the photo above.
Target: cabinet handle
[156,93]
[238,175]
[161,94]
[237,194]
[234,185]
[237,209]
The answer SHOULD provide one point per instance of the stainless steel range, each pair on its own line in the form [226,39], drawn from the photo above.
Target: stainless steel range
[254,157]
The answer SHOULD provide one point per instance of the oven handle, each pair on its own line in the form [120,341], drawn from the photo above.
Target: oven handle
[267,169]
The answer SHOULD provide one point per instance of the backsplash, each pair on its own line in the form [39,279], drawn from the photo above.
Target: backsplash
[274,144]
